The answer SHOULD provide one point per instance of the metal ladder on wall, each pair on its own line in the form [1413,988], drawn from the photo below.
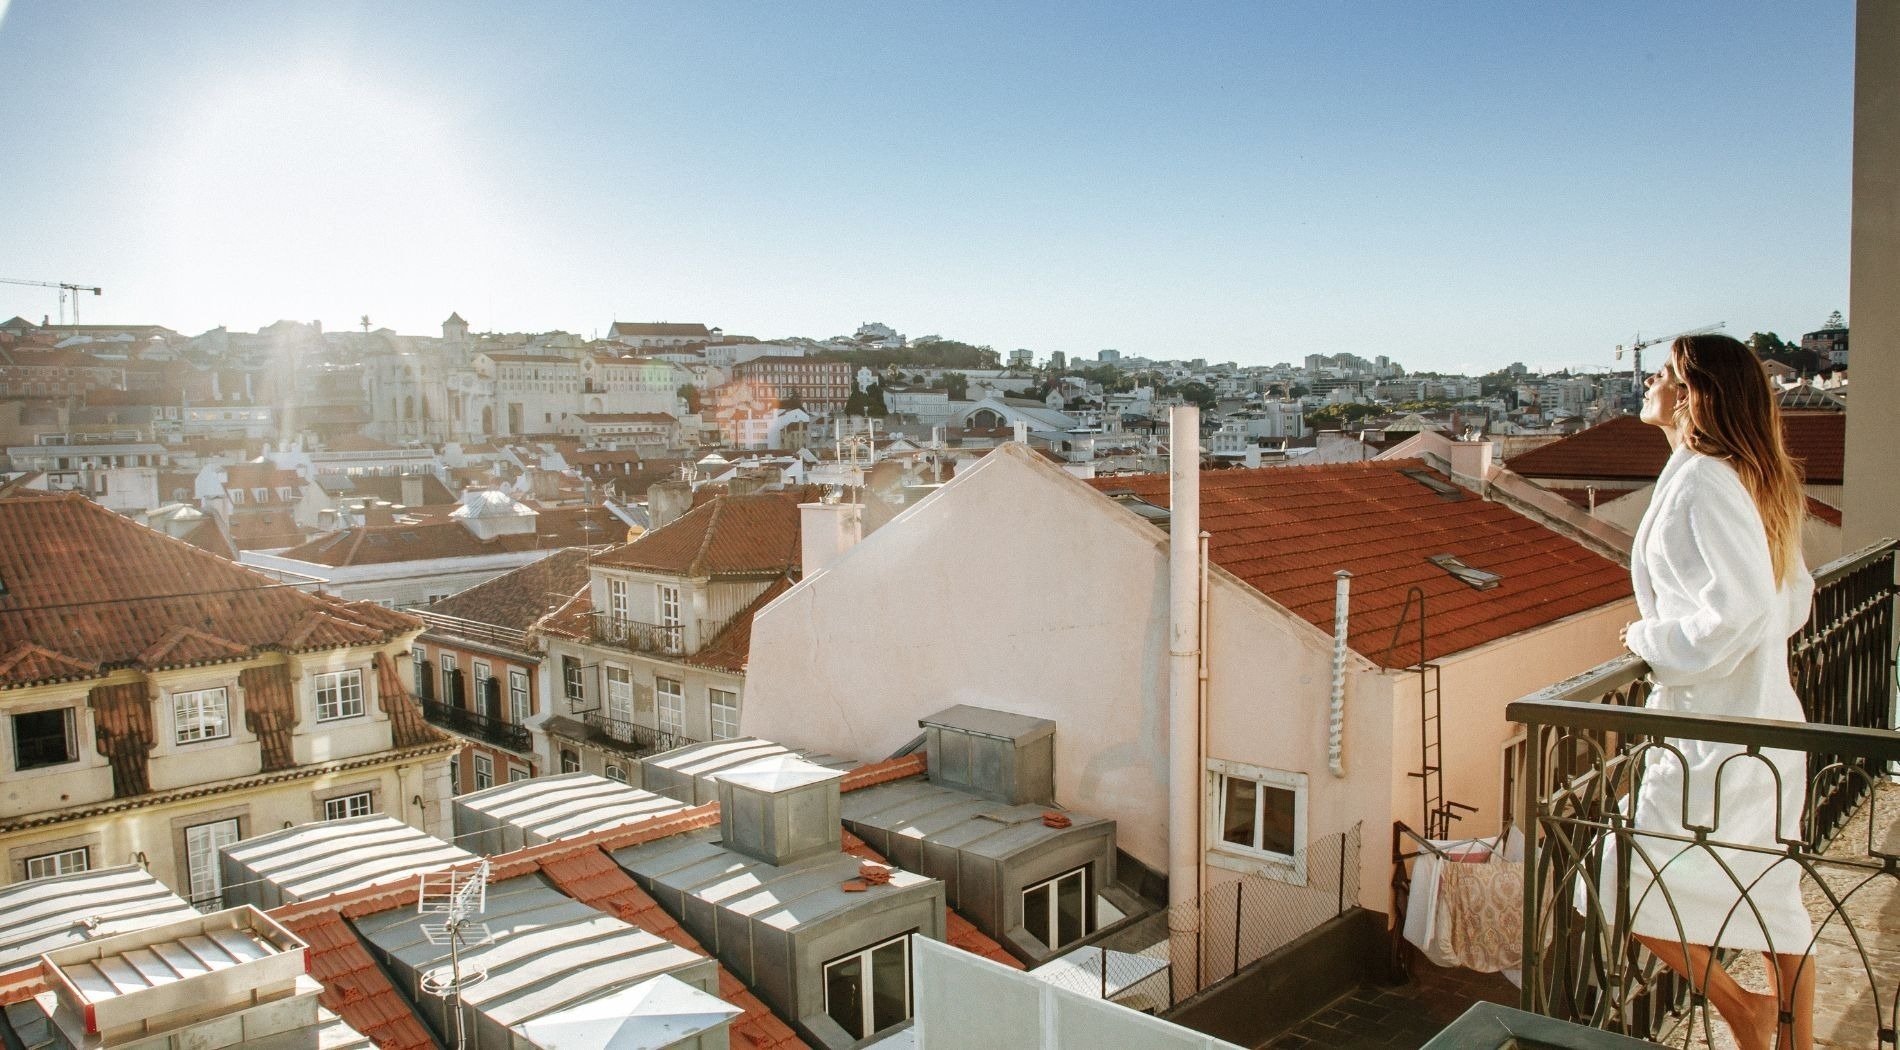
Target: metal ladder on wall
[1438,813]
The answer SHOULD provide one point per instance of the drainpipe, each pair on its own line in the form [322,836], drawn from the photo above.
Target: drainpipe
[1184,730]
[1336,714]
[1200,743]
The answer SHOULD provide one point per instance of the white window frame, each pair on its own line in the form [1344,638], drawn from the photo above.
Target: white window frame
[419,661]
[725,717]
[446,666]
[516,774]
[667,601]
[570,760]
[864,957]
[619,599]
[615,772]
[343,807]
[346,687]
[237,496]
[60,862]
[484,771]
[70,732]
[669,705]
[573,680]
[1251,859]
[204,882]
[1053,887]
[619,705]
[201,714]
[520,703]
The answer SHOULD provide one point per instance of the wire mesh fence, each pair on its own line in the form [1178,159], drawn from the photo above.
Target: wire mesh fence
[1241,922]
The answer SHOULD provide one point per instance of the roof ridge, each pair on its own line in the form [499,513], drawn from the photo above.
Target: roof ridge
[697,565]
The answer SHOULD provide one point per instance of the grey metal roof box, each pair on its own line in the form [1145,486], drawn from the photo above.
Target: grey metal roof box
[1036,889]
[1002,756]
[549,953]
[660,1014]
[314,860]
[171,975]
[51,913]
[776,927]
[780,809]
[687,773]
[507,817]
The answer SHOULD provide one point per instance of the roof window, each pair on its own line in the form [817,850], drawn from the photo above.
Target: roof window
[1478,579]
[1160,515]
[1432,481]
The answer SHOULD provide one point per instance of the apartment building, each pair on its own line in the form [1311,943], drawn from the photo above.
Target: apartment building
[159,702]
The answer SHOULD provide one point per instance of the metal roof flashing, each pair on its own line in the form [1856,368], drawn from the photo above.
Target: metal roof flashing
[983,721]
[652,1015]
[779,773]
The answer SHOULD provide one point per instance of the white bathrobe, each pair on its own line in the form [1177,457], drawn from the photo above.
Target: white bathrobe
[1715,633]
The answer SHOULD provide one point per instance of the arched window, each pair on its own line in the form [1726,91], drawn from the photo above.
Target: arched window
[614,772]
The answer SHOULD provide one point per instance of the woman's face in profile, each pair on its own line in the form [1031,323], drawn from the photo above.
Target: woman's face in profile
[1662,392]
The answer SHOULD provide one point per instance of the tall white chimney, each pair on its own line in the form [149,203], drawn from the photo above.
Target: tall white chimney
[1184,639]
[825,531]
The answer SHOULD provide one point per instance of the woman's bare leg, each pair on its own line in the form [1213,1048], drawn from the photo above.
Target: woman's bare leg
[1797,972]
[1751,1016]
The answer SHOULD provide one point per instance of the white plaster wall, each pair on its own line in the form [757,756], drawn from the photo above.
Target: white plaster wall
[1067,622]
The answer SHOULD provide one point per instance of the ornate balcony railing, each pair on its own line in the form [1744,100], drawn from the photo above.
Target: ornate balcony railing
[1595,881]
[668,640]
[478,726]
[631,738]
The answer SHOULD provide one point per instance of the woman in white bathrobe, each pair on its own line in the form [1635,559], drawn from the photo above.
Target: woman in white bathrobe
[1719,581]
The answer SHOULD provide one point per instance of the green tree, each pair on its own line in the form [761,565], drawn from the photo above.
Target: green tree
[1337,417]
[790,401]
[690,394]
[958,385]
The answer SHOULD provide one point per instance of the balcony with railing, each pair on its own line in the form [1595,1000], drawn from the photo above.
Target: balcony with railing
[473,630]
[478,726]
[1602,896]
[663,639]
[631,737]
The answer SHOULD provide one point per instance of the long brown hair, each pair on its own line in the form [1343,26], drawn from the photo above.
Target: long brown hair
[1732,413]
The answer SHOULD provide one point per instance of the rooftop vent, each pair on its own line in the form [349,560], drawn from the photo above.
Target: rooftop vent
[1003,757]
[1478,579]
[1437,484]
[781,810]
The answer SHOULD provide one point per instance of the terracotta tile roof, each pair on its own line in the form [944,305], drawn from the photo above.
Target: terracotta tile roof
[572,618]
[911,765]
[957,930]
[1817,509]
[407,727]
[208,537]
[1285,530]
[591,877]
[1626,448]
[270,712]
[517,599]
[87,588]
[730,648]
[354,987]
[555,528]
[730,536]
[122,715]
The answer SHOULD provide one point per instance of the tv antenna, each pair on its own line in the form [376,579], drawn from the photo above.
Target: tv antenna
[457,895]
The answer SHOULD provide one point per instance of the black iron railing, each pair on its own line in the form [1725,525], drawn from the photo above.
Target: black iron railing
[632,738]
[639,637]
[1599,884]
[478,726]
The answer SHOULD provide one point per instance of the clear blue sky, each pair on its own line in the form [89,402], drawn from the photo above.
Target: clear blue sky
[1457,185]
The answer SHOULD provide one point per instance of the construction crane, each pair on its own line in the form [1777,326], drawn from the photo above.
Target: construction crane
[64,288]
[1637,343]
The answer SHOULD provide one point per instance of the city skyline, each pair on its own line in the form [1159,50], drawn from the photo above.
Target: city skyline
[1458,190]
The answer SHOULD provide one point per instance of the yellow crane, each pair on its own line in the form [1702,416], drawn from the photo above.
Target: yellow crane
[64,288]
[1637,343]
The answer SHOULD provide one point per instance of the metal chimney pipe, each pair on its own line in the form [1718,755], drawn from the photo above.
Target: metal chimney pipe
[1184,640]
[1336,712]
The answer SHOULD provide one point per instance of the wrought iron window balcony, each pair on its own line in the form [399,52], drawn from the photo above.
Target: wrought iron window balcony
[478,726]
[631,738]
[667,640]
[1594,881]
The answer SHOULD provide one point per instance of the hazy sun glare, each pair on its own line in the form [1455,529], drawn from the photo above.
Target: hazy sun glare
[317,187]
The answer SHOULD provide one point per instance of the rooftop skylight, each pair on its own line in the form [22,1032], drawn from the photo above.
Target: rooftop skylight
[1478,579]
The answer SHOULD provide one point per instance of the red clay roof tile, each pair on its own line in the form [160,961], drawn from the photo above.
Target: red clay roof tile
[730,648]
[1628,449]
[730,536]
[354,987]
[1286,530]
[100,590]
